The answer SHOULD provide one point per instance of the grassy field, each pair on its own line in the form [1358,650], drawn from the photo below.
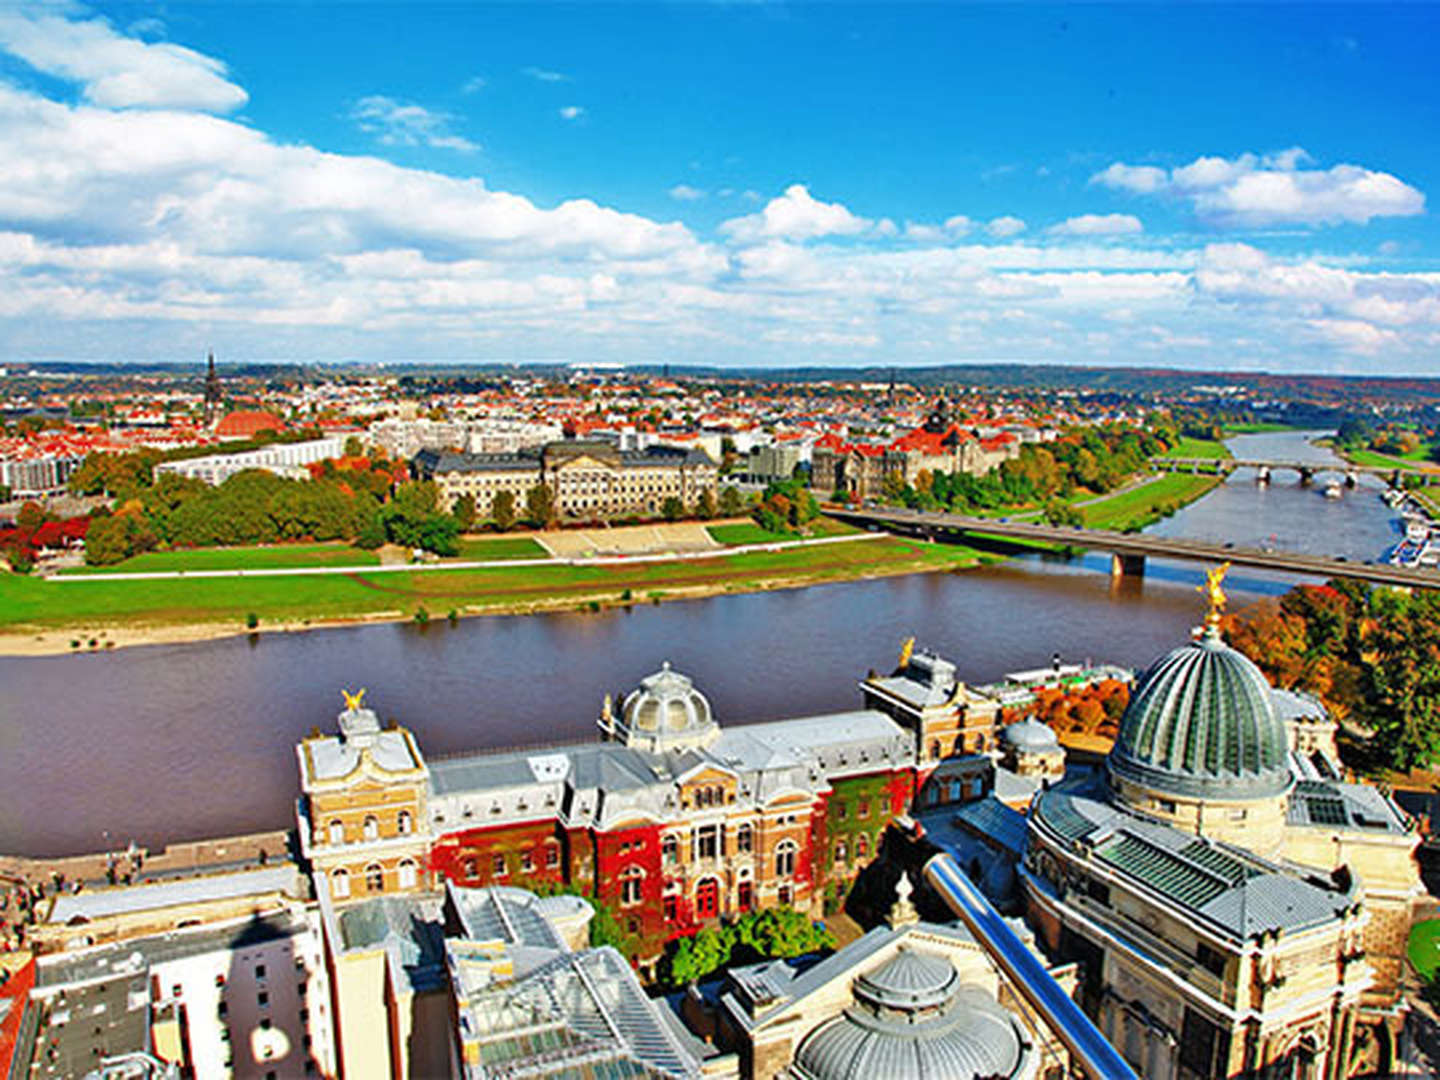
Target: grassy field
[1416,459]
[1424,948]
[27,602]
[490,548]
[1143,505]
[740,533]
[239,558]
[1199,448]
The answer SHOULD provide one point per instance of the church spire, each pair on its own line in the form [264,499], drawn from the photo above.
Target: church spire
[212,391]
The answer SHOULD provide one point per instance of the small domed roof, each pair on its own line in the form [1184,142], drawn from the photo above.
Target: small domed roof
[911,980]
[1030,736]
[666,712]
[1202,723]
[914,1020]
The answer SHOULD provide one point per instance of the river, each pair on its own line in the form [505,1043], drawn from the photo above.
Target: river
[173,742]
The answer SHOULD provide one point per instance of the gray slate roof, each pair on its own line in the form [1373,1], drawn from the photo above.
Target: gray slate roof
[1234,890]
[99,902]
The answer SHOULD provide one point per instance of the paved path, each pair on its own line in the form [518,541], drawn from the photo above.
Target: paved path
[490,564]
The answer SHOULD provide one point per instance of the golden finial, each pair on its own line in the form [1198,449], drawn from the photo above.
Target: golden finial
[353,702]
[905,650]
[1214,593]
[607,710]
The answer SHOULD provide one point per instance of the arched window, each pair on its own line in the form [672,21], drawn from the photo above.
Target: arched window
[785,858]
[375,878]
[372,827]
[745,895]
[404,822]
[337,831]
[669,849]
[840,851]
[744,839]
[469,867]
[632,880]
[862,846]
[408,874]
[934,748]
[707,898]
[340,883]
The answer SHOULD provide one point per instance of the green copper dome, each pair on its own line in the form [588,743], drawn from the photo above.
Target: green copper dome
[1201,723]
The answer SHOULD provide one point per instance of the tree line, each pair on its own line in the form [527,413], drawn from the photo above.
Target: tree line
[1370,653]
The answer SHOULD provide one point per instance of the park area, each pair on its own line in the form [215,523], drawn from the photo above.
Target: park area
[1424,949]
[33,605]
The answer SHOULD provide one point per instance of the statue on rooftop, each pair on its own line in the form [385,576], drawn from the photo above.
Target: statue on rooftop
[353,702]
[906,649]
[1214,593]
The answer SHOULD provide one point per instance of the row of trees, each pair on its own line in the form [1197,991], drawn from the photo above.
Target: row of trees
[1371,654]
[36,529]
[1093,459]
[785,507]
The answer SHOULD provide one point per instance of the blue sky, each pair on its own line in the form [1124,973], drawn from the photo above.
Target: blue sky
[734,184]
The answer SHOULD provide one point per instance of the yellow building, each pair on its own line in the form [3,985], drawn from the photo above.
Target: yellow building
[363,816]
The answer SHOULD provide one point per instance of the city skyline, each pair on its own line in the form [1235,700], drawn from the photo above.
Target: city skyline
[753,185]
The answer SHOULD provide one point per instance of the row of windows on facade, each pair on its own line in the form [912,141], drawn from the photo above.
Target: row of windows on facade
[370,830]
[407,877]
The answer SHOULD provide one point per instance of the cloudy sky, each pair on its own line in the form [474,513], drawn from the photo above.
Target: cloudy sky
[731,184]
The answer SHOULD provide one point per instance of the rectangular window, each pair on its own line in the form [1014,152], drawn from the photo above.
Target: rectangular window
[527,863]
[864,808]
[262,999]
[497,864]
[707,842]
[259,971]
[552,856]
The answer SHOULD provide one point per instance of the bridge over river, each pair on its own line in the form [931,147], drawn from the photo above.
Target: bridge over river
[1130,550]
[1307,470]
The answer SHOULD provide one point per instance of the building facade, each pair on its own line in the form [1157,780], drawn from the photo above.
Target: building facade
[588,480]
[1236,909]
[672,821]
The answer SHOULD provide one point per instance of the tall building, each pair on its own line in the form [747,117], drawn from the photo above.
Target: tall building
[1237,910]
[212,392]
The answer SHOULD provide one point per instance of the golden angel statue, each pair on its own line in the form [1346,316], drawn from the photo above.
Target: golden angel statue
[1213,592]
[353,702]
[905,650]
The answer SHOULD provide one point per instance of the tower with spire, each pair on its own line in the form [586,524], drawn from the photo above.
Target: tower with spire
[212,392]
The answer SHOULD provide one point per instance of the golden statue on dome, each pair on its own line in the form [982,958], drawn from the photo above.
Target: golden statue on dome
[353,702]
[1214,593]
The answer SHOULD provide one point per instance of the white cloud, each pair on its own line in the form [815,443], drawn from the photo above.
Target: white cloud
[1254,191]
[958,225]
[542,75]
[571,112]
[395,123]
[795,215]
[1006,226]
[686,193]
[474,85]
[1098,225]
[119,72]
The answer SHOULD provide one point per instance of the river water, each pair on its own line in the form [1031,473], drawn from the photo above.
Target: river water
[173,742]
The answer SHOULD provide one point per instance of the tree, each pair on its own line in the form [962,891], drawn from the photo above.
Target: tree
[502,510]
[705,505]
[540,505]
[732,503]
[672,508]
[371,533]
[464,512]
[354,447]
[30,518]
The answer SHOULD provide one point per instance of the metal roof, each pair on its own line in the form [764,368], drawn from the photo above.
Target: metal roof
[98,903]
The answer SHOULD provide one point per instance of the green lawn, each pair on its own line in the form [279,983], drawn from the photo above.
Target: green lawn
[1143,505]
[1199,448]
[488,548]
[1424,947]
[1416,459]
[239,558]
[737,534]
[35,602]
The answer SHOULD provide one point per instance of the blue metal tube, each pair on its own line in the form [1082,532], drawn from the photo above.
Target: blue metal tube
[1090,1049]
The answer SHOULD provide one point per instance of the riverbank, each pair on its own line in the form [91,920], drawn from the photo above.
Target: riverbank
[39,618]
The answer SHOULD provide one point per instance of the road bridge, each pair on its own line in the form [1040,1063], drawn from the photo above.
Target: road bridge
[1307,470]
[1130,550]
